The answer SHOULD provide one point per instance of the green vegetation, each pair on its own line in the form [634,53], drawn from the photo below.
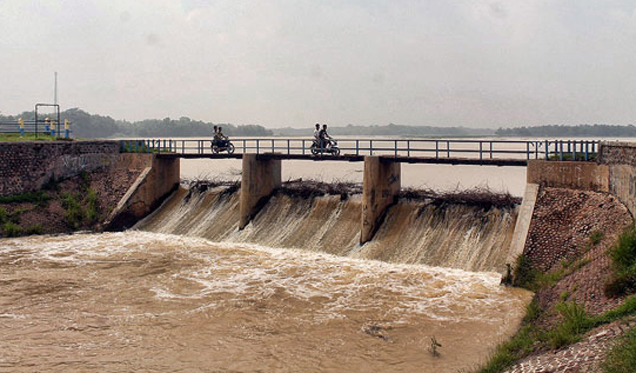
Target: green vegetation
[527,277]
[131,147]
[389,130]
[583,130]
[34,229]
[623,254]
[14,137]
[11,229]
[81,208]
[596,237]
[87,125]
[38,198]
[568,156]
[575,322]
[622,357]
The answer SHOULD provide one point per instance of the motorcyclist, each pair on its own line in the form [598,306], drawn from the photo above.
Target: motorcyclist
[221,140]
[324,137]
[214,139]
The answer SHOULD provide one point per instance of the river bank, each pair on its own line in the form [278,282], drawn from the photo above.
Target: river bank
[572,322]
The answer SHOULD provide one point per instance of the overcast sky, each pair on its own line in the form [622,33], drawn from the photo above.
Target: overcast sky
[295,62]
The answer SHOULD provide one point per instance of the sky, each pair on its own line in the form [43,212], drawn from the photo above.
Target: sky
[293,63]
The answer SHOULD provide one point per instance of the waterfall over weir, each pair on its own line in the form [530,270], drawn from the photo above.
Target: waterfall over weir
[413,232]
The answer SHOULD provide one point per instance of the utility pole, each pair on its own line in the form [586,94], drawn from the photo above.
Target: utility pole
[55,91]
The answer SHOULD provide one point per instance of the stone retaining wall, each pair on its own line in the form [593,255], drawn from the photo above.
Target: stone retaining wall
[620,157]
[27,166]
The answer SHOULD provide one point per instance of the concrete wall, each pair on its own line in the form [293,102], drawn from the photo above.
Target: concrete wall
[380,188]
[568,174]
[27,166]
[522,225]
[620,158]
[157,181]
[259,180]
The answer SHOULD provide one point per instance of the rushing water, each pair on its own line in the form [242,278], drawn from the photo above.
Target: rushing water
[140,301]
[413,232]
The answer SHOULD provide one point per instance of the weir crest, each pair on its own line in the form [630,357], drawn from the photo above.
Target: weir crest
[460,236]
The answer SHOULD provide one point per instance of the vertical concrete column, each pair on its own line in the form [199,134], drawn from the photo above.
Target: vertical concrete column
[380,188]
[260,178]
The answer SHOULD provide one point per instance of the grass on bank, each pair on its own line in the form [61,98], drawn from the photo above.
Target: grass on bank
[575,322]
[81,209]
[38,198]
[623,254]
[14,137]
[622,357]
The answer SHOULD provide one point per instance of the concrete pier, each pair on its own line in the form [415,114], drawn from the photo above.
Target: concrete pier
[260,178]
[380,188]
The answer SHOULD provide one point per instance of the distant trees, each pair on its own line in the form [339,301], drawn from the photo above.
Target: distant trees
[390,130]
[97,126]
[583,130]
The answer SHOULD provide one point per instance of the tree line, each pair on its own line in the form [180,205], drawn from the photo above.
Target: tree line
[583,130]
[389,130]
[86,125]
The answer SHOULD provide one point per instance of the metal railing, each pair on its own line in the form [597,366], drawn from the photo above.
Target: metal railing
[580,150]
[40,127]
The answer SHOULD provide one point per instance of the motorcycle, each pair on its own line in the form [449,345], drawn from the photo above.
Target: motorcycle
[331,148]
[222,146]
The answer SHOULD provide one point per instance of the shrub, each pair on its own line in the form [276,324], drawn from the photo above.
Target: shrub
[524,275]
[33,229]
[38,198]
[11,229]
[533,311]
[74,214]
[90,207]
[575,322]
[623,254]
[596,237]
[80,211]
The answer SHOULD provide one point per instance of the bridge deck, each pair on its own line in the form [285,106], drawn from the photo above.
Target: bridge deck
[358,158]
[489,152]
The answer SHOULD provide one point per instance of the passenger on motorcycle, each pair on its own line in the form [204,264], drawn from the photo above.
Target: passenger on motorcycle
[317,134]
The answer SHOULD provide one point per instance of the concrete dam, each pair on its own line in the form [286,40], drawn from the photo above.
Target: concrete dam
[466,237]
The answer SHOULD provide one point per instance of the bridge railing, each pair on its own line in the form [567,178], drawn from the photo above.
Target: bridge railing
[580,150]
[41,127]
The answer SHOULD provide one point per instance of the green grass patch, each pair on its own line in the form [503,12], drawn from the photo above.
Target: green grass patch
[11,229]
[569,156]
[596,237]
[14,137]
[38,197]
[34,229]
[74,214]
[622,357]
[527,277]
[80,210]
[623,254]
[575,323]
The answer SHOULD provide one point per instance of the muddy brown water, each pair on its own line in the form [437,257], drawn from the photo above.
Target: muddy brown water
[142,301]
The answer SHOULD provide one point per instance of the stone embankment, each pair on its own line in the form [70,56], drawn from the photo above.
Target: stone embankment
[64,186]
[572,231]
[561,232]
[582,357]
